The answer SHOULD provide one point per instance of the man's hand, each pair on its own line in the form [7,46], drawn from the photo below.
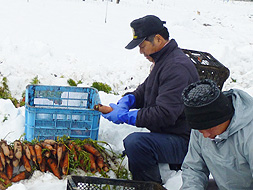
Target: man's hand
[127,102]
[120,115]
[113,115]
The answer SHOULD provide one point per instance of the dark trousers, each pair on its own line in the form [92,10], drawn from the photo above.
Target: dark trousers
[146,150]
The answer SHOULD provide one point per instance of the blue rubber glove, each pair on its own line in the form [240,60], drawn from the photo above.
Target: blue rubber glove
[113,115]
[128,117]
[127,102]
[119,115]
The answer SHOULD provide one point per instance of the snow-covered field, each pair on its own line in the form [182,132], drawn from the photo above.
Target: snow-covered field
[84,40]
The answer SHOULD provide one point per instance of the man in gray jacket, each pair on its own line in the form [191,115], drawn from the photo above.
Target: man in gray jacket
[221,141]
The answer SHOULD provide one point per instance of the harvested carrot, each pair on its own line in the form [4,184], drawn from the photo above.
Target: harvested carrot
[2,187]
[9,170]
[47,146]
[27,151]
[38,152]
[5,148]
[106,167]
[1,167]
[43,165]
[53,166]
[7,160]
[92,150]
[54,153]
[103,109]
[15,162]
[59,153]
[26,163]
[17,149]
[5,178]
[33,154]
[73,151]
[49,141]
[64,148]
[100,162]
[92,163]
[2,157]
[47,153]
[21,176]
[11,153]
[65,165]
[78,148]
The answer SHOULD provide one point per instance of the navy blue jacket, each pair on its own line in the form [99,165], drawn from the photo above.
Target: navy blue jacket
[159,97]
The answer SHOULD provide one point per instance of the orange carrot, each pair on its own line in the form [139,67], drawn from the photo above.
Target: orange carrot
[53,166]
[5,148]
[5,178]
[47,146]
[59,153]
[33,154]
[92,150]
[49,141]
[15,162]
[2,187]
[78,148]
[17,149]
[73,151]
[9,170]
[2,157]
[47,153]
[64,148]
[103,109]
[100,162]
[38,152]
[7,160]
[27,151]
[21,176]
[43,165]
[11,153]
[92,163]
[65,165]
[106,167]
[1,167]
[26,163]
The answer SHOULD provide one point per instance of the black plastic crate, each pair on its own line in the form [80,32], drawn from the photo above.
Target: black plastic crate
[97,183]
[208,67]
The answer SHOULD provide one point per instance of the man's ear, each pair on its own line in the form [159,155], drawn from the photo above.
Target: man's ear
[159,39]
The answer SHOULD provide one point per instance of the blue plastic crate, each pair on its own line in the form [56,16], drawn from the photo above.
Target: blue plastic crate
[54,111]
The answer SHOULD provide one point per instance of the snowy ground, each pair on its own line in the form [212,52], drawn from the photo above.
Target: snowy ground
[84,40]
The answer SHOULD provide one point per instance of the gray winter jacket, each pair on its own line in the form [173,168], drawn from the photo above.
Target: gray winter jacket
[230,159]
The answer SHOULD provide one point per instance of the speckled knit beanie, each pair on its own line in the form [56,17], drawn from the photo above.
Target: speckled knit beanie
[205,105]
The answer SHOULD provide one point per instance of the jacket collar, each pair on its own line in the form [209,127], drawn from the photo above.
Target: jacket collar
[167,49]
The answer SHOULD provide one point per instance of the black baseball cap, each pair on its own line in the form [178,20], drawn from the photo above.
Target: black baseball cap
[143,28]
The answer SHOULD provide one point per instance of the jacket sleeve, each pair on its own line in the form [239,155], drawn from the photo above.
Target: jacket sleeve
[168,104]
[248,145]
[195,174]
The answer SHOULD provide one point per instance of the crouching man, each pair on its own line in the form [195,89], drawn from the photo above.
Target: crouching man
[221,141]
